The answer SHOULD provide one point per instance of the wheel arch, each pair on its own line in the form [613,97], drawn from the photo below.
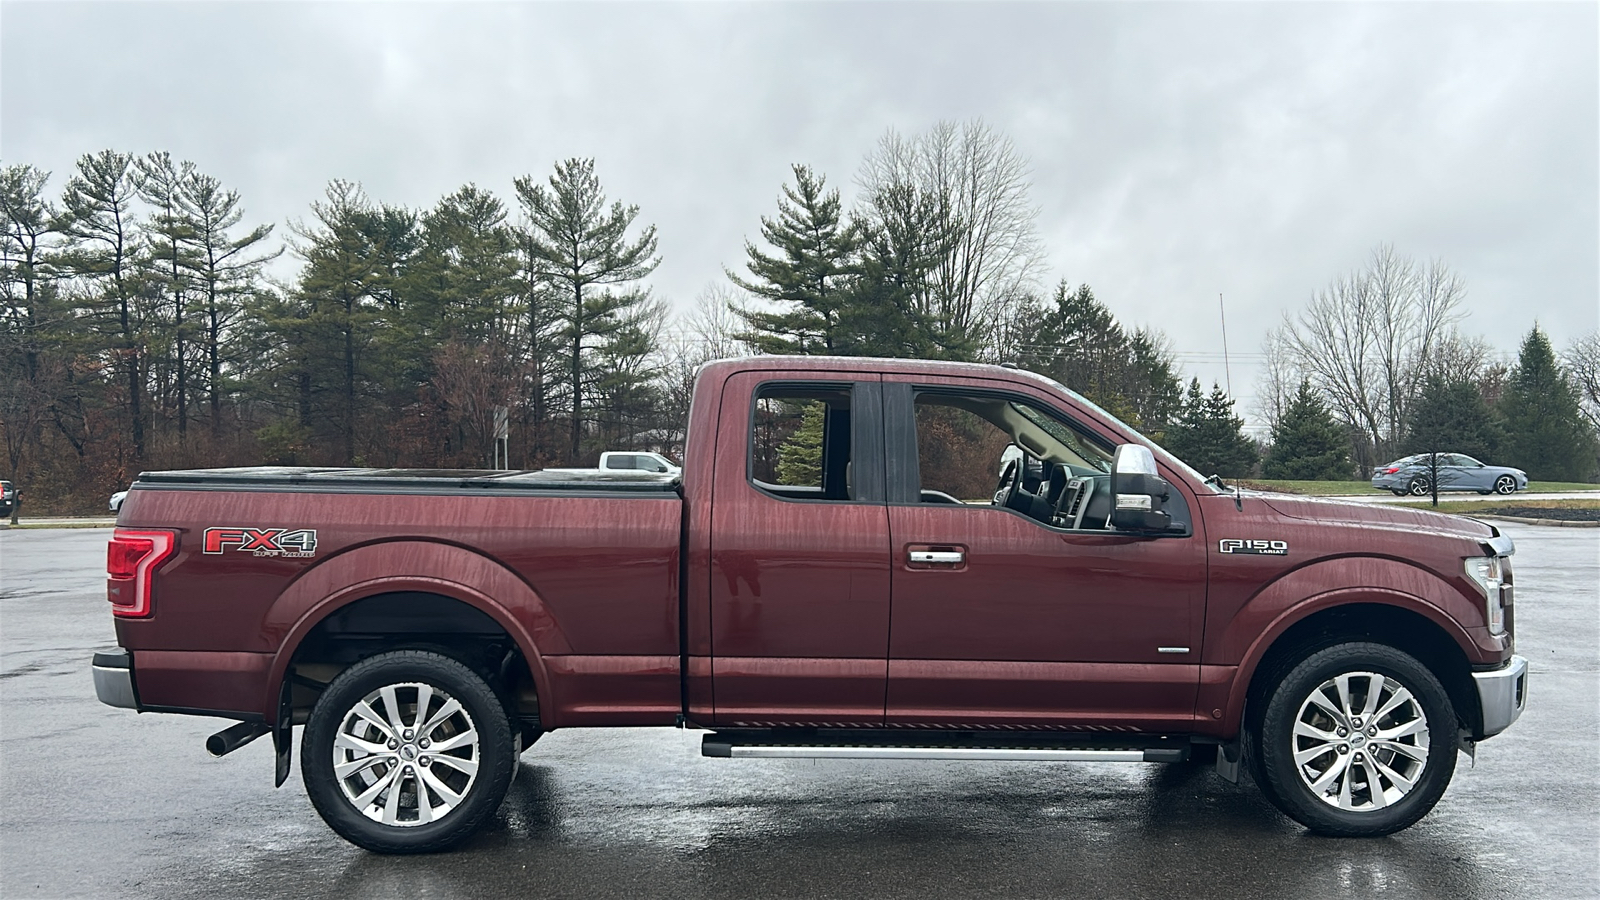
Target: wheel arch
[456,577]
[1387,620]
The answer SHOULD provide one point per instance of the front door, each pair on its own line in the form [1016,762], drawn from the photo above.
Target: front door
[800,554]
[1040,618]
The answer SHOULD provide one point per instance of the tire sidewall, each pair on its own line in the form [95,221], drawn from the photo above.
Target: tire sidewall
[497,757]
[1505,485]
[1275,750]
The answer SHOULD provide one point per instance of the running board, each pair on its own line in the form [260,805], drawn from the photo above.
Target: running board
[716,746]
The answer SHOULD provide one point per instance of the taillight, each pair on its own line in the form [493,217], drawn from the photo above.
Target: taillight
[1391,470]
[131,558]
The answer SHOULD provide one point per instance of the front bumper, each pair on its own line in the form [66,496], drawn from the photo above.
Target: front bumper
[113,678]
[1502,694]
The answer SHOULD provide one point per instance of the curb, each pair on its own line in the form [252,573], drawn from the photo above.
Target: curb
[1523,520]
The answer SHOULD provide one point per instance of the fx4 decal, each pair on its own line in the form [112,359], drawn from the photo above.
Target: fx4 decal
[1262,548]
[262,541]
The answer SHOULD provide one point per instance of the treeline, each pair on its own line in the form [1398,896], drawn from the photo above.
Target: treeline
[143,327]
[1376,367]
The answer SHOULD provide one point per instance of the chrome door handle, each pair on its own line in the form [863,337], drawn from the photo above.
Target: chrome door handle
[937,556]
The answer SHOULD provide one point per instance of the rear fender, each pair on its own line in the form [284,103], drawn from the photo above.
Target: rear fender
[412,565]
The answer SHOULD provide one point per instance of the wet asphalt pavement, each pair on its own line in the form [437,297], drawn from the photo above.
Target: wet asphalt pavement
[98,802]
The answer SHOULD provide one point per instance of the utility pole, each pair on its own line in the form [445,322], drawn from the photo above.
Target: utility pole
[1227,371]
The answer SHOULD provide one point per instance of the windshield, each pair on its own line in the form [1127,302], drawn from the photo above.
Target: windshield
[1194,475]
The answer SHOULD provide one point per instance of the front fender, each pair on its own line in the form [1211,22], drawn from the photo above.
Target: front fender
[1247,636]
[411,565]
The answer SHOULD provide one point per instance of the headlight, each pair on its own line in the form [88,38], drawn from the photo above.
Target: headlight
[1487,574]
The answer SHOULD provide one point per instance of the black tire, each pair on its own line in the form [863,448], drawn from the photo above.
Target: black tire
[412,761]
[1418,487]
[1377,803]
[1505,484]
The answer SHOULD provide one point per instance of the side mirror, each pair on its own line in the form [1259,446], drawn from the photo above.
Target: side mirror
[1138,494]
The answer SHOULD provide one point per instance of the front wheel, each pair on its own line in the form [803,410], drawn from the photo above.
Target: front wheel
[1358,740]
[407,752]
[1505,484]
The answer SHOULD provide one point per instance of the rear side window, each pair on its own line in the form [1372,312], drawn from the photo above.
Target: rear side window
[800,442]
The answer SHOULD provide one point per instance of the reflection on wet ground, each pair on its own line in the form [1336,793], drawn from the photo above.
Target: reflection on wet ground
[99,802]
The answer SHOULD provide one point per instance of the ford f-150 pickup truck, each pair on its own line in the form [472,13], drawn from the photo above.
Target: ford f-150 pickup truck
[836,573]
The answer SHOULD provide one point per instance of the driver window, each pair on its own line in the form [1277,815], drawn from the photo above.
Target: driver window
[958,453]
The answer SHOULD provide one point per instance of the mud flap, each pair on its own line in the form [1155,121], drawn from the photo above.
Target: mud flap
[283,733]
[1228,757]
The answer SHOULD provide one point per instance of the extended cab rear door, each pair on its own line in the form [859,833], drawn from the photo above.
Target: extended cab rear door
[799,552]
[1003,619]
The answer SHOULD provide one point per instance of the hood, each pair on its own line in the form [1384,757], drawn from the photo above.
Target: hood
[1381,515]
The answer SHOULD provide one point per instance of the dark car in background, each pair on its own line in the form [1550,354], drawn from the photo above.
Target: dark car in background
[1456,471]
[8,498]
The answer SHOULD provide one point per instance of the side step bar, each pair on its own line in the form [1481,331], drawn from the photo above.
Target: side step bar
[720,746]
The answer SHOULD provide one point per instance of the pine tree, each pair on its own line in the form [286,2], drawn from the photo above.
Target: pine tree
[807,276]
[1449,416]
[800,457]
[170,235]
[1545,435]
[226,269]
[1307,444]
[580,250]
[1209,437]
[1078,342]
[104,251]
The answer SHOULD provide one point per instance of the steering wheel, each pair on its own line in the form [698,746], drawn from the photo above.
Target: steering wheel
[1010,480]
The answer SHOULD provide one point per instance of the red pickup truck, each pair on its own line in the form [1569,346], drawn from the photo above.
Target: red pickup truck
[861,559]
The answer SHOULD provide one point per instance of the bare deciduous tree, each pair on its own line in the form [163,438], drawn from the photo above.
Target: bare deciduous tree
[1368,339]
[976,184]
[1583,366]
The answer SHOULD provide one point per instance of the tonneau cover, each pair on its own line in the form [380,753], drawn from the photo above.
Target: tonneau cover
[463,481]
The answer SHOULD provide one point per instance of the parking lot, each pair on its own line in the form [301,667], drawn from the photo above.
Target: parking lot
[98,802]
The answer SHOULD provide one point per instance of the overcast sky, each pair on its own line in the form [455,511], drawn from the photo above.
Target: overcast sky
[1178,151]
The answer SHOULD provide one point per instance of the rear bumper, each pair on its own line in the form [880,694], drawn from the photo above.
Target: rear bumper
[113,679]
[1502,694]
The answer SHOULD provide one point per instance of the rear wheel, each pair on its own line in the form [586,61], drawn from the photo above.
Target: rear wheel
[1418,487]
[1357,740]
[407,752]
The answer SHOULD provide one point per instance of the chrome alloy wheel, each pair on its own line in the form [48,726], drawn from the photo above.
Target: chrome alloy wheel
[406,754]
[1361,741]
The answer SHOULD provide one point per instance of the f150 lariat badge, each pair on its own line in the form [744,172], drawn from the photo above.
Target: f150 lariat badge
[262,541]
[1260,548]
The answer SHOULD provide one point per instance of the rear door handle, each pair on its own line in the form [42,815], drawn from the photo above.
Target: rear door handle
[937,556]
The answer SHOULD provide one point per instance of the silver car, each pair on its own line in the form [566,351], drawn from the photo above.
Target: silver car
[1457,472]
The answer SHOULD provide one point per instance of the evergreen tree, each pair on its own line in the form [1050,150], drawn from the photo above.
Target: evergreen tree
[337,328]
[807,276]
[1078,342]
[1545,434]
[886,311]
[105,253]
[580,249]
[1307,444]
[800,457]
[1449,416]
[1209,437]
[170,234]
[226,269]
